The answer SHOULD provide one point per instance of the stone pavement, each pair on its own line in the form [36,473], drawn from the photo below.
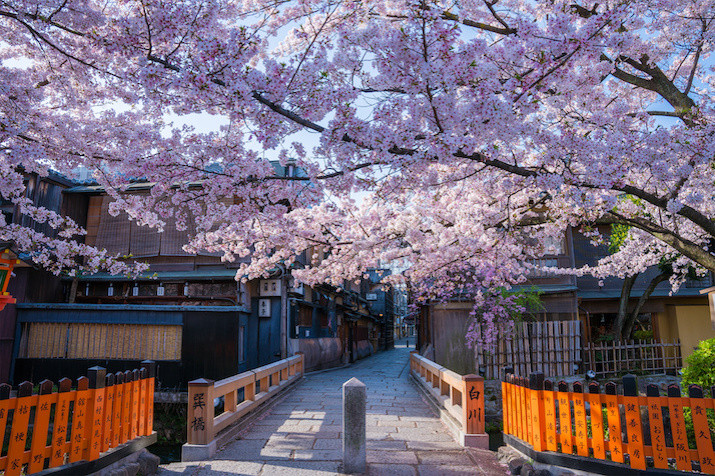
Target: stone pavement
[301,435]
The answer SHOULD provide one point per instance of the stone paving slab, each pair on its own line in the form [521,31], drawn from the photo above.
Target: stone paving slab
[301,435]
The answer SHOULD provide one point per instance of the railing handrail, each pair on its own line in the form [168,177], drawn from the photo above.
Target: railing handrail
[461,395]
[258,385]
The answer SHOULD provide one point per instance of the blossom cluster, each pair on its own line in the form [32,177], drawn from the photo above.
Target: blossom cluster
[456,138]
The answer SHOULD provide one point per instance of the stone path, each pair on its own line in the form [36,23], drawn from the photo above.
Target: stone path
[301,434]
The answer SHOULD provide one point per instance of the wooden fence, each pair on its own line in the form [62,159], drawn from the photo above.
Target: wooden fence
[255,386]
[58,425]
[552,347]
[650,356]
[610,426]
[462,396]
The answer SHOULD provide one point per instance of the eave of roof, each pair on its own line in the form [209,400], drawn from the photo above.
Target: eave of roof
[636,293]
[127,307]
[193,275]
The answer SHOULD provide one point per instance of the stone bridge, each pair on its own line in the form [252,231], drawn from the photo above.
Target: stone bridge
[301,432]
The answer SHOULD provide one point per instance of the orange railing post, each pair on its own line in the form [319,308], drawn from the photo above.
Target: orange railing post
[136,385]
[150,366]
[127,406]
[634,429]
[95,412]
[18,432]
[677,425]
[110,391]
[79,420]
[62,412]
[550,416]
[657,433]
[702,431]
[41,427]
[564,400]
[579,416]
[536,386]
[118,424]
[141,420]
[613,413]
[597,434]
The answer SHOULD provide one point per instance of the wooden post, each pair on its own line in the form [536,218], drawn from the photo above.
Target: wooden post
[18,433]
[42,424]
[5,403]
[301,364]
[536,385]
[109,395]
[95,412]
[276,378]
[79,420]
[702,431]
[677,425]
[118,423]
[520,411]
[505,398]
[249,391]
[549,416]
[141,420]
[473,404]
[62,412]
[136,386]
[150,366]
[613,412]
[526,404]
[657,433]
[565,418]
[598,439]
[634,427]
[200,412]
[579,413]
[127,406]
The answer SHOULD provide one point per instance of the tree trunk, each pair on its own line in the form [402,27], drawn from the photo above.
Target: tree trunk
[633,315]
[623,305]
[73,290]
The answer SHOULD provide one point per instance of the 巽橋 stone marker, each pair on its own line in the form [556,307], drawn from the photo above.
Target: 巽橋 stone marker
[354,451]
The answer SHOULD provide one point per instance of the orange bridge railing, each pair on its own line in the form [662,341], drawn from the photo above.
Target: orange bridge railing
[637,430]
[56,424]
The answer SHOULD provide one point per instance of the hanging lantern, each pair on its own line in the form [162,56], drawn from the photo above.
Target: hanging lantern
[6,266]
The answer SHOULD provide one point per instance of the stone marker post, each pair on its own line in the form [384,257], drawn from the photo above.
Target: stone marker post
[354,450]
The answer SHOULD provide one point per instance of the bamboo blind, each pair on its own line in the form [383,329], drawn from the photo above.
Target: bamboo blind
[100,341]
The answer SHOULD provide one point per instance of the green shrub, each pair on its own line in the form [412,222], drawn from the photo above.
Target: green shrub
[701,367]
[700,371]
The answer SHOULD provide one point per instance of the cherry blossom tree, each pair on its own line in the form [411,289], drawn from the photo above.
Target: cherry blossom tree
[454,137]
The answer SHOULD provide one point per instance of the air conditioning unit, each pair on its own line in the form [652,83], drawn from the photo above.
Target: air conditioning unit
[269,287]
[264,308]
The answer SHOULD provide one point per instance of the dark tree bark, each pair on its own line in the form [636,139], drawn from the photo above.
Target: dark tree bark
[623,305]
[633,315]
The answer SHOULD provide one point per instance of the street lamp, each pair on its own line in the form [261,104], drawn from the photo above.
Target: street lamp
[6,266]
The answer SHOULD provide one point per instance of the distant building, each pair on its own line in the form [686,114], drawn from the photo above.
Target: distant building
[589,302]
[188,312]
